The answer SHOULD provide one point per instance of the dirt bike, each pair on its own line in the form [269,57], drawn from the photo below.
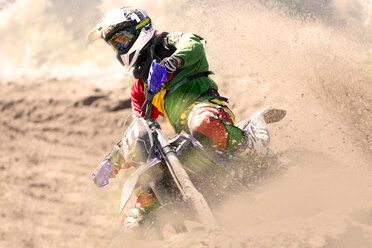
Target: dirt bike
[186,177]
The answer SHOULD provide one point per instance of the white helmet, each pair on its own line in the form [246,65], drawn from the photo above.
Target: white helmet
[127,30]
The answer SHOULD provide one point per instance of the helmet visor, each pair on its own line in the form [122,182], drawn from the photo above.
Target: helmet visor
[120,41]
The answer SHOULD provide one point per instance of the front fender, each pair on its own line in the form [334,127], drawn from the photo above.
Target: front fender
[131,182]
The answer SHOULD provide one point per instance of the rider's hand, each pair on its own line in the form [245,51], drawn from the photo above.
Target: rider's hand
[171,63]
[157,77]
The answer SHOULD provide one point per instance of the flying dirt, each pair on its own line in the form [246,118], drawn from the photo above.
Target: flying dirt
[63,102]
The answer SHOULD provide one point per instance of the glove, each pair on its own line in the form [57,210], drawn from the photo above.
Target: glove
[157,77]
[170,64]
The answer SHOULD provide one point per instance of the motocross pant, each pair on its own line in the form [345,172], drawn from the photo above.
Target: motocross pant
[211,122]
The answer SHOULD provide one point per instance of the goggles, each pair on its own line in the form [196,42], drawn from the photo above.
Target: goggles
[121,40]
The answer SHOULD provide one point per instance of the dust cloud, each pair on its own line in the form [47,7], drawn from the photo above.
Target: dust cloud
[43,38]
[63,100]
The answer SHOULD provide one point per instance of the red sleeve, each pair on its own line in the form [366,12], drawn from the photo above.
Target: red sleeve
[138,98]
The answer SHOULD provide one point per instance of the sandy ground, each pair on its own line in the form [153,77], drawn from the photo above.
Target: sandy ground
[54,133]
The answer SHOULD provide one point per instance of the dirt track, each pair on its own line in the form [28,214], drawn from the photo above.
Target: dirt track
[54,133]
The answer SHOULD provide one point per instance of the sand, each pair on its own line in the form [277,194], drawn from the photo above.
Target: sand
[54,132]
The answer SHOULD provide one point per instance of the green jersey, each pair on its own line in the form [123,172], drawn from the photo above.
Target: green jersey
[180,94]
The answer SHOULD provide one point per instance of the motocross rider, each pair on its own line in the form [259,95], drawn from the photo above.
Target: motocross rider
[189,98]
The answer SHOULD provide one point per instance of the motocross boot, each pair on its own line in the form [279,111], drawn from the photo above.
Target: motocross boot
[134,218]
[257,136]
[146,202]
